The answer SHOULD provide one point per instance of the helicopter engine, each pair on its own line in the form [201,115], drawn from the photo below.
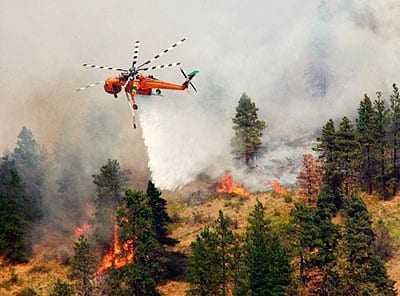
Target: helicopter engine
[113,85]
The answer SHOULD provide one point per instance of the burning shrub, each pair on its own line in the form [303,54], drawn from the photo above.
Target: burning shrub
[226,184]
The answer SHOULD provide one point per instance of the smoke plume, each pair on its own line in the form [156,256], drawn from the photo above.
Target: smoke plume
[300,61]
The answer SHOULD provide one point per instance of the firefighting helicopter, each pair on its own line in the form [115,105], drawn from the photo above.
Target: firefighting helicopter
[135,83]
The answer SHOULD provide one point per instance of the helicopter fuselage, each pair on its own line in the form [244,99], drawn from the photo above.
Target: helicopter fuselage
[141,85]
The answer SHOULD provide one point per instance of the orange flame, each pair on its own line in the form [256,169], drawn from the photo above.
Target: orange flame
[227,185]
[118,256]
[278,188]
[82,230]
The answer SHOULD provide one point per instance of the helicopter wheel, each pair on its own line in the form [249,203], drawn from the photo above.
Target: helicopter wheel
[135,107]
[158,91]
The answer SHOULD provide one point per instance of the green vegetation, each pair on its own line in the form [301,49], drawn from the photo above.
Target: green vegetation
[248,131]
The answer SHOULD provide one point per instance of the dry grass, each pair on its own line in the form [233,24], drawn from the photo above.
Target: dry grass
[38,274]
[42,271]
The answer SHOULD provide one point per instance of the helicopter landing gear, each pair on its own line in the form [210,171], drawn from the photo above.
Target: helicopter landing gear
[158,91]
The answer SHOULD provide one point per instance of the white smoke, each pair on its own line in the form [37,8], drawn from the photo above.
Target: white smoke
[301,62]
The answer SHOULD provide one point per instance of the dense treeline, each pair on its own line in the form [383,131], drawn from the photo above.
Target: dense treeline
[364,154]
[21,191]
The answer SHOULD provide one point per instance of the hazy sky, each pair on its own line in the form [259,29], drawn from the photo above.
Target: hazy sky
[301,61]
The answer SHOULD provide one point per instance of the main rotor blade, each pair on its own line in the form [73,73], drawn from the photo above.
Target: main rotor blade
[162,53]
[135,53]
[89,85]
[161,66]
[103,67]
[183,72]
[192,85]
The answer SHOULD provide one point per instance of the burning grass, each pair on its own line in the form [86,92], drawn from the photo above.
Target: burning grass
[226,184]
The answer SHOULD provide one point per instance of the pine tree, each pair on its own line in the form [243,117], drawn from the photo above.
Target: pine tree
[380,144]
[160,215]
[265,259]
[14,223]
[29,160]
[203,269]
[394,137]
[328,149]
[83,265]
[366,273]
[110,184]
[316,241]
[211,264]
[248,131]
[326,143]
[348,150]
[137,224]
[225,243]
[309,178]
[305,232]
[366,138]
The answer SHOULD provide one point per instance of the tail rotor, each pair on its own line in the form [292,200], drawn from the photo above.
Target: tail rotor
[189,78]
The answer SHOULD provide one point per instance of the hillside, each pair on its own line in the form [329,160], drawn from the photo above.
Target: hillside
[189,219]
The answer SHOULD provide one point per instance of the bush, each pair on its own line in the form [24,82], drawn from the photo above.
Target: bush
[61,288]
[27,292]
[288,198]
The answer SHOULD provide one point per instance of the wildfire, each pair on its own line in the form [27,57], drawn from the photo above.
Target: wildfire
[118,256]
[227,185]
[82,230]
[278,188]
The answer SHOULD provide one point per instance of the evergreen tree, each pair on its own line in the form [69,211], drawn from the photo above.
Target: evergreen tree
[366,138]
[83,265]
[61,288]
[160,215]
[266,260]
[328,149]
[326,143]
[394,137]
[366,273]
[316,241]
[248,131]
[203,270]
[305,232]
[14,223]
[348,150]
[225,243]
[137,224]
[211,264]
[380,144]
[29,161]
[110,184]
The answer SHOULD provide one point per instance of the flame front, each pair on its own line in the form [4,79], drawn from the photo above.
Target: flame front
[118,256]
[278,188]
[227,185]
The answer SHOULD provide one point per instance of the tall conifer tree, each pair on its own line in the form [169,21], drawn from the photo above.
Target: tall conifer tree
[248,131]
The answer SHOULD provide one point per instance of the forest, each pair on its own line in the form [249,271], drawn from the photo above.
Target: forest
[322,239]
